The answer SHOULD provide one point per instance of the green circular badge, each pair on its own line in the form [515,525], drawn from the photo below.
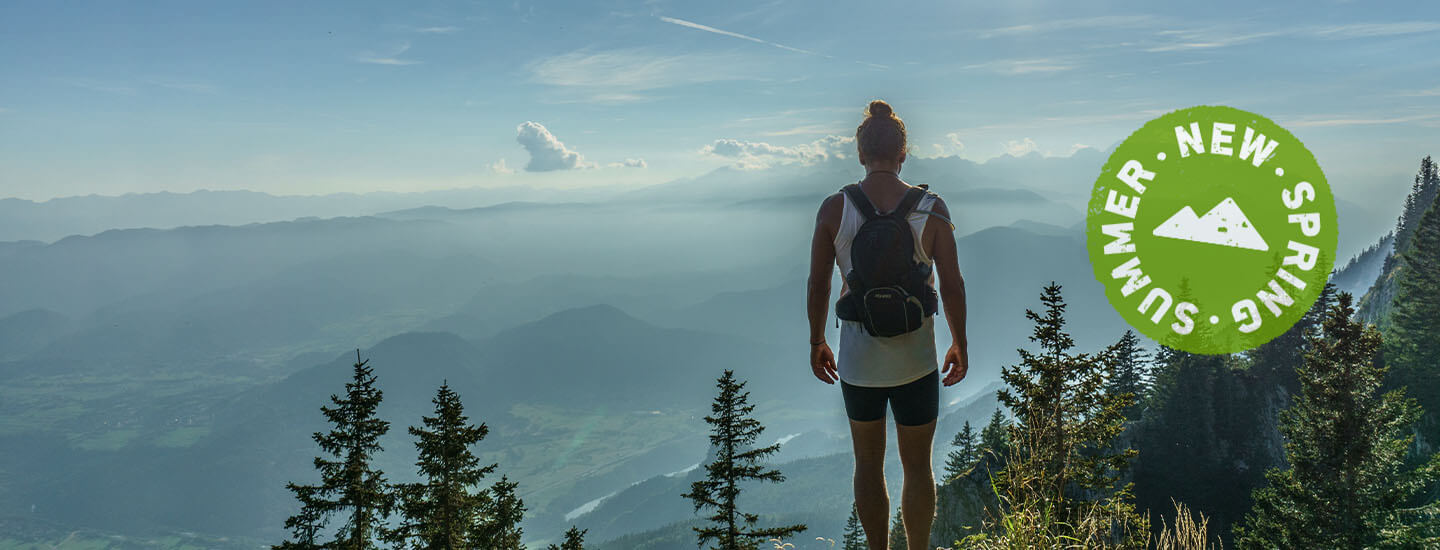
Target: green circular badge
[1212,229]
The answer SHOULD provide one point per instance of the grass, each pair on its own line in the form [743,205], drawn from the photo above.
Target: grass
[111,440]
[556,445]
[181,437]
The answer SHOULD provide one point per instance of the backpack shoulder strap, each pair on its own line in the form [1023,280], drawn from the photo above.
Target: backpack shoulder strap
[907,203]
[861,202]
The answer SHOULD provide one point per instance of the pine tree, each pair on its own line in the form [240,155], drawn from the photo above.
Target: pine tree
[854,538]
[732,436]
[966,453]
[349,484]
[1132,372]
[1413,341]
[1066,424]
[1376,304]
[443,512]
[1279,358]
[574,540]
[306,524]
[502,530]
[995,436]
[1347,483]
[897,532]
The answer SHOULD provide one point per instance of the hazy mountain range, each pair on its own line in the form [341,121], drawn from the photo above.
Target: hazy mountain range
[155,342]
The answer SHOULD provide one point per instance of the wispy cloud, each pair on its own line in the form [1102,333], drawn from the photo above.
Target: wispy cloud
[1358,120]
[1204,39]
[1022,66]
[722,32]
[182,84]
[1369,30]
[707,28]
[437,30]
[1100,22]
[805,130]
[1432,92]
[1223,37]
[109,87]
[391,58]
[621,76]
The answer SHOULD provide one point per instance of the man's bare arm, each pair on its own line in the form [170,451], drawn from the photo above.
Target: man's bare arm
[952,297]
[822,267]
[817,293]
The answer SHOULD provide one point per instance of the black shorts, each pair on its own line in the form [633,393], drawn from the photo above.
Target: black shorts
[914,404]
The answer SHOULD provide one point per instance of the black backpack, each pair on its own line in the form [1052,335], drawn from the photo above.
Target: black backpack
[887,287]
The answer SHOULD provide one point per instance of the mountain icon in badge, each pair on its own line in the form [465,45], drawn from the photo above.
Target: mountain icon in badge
[1225,225]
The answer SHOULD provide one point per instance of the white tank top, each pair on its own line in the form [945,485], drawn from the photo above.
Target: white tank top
[870,361]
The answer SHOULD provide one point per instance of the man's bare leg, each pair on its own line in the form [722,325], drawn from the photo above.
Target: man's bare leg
[872,501]
[917,498]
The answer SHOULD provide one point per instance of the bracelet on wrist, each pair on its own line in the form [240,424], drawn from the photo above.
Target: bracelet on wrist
[815,343]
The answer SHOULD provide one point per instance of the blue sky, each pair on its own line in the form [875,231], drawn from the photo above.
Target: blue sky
[318,97]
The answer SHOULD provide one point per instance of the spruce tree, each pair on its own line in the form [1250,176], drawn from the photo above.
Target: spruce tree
[995,436]
[306,524]
[443,512]
[1413,341]
[349,485]
[1347,485]
[732,435]
[574,540]
[854,538]
[1132,372]
[1060,406]
[966,453]
[897,532]
[1066,424]
[502,530]
[1375,305]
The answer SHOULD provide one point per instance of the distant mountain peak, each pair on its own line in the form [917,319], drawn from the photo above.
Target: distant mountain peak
[596,315]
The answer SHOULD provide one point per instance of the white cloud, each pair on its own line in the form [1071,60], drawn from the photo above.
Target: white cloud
[547,153]
[390,58]
[1020,148]
[499,167]
[955,141]
[437,30]
[952,146]
[629,163]
[752,155]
